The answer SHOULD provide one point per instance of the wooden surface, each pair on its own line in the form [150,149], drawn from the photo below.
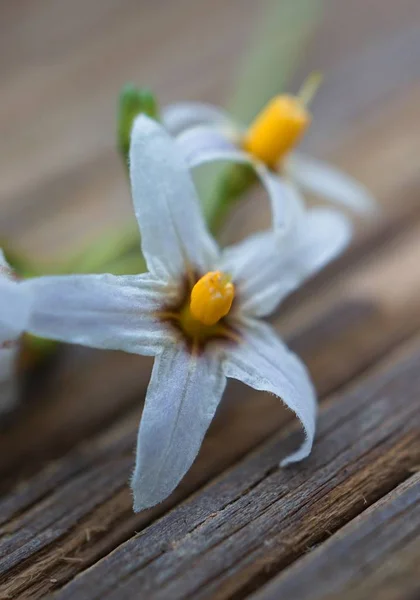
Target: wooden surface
[345,523]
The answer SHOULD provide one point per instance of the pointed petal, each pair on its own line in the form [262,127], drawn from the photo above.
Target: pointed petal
[174,235]
[184,115]
[264,363]
[100,311]
[287,205]
[330,183]
[181,400]
[266,268]
[203,145]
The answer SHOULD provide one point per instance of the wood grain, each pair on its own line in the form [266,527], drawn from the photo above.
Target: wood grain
[257,518]
[356,554]
[357,324]
[396,579]
[92,477]
[236,521]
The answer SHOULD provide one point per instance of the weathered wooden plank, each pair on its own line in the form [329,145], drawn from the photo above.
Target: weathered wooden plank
[352,556]
[367,443]
[68,426]
[247,422]
[83,393]
[396,579]
[356,325]
[69,415]
[257,518]
[78,508]
[354,333]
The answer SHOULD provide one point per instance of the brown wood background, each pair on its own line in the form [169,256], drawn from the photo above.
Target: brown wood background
[344,524]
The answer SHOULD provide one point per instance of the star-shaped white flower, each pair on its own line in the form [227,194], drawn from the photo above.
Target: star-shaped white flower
[14,317]
[197,311]
[207,134]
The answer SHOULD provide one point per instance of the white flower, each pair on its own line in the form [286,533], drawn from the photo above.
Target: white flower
[14,317]
[207,134]
[197,311]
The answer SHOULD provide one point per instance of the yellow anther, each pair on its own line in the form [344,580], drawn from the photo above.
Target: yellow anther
[211,297]
[277,129]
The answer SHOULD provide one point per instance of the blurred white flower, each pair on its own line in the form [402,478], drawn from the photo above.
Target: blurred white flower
[14,317]
[207,134]
[197,311]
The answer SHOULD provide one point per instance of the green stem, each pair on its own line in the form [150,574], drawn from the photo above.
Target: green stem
[100,254]
[229,188]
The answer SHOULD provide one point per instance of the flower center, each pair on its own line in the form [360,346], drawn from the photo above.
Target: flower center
[198,313]
[211,298]
[280,125]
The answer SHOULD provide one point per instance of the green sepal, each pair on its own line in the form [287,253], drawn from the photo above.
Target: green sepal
[133,101]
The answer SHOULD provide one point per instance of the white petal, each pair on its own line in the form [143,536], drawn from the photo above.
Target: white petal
[203,145]
[266,268]
[287,204]
[263,362]
[181,400]
[101,311]
[15,305]
[183,115]
[9,389]
[328,182]
[174,235]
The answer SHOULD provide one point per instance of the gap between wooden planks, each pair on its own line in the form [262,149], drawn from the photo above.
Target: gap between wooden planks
[78,509]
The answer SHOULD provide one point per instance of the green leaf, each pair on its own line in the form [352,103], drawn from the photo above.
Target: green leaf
[274,55]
